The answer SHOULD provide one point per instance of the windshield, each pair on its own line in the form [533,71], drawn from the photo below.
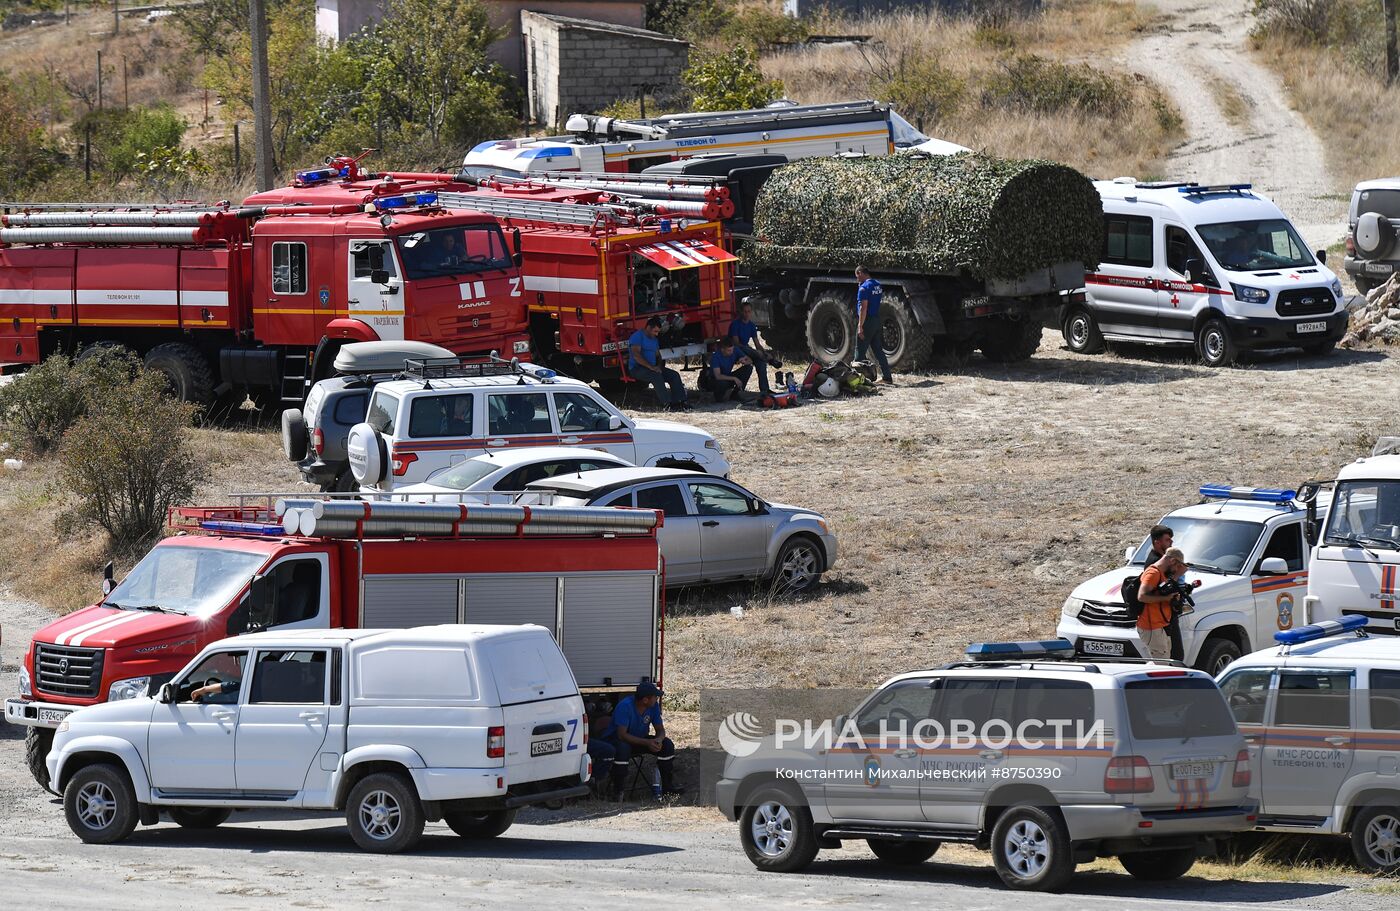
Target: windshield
[199,581]
[1210,545]
[465,474]
[1384,202]
[904,133]
[1365,513]
[471,173]
[461,250]
[1170,707]
[1253,246]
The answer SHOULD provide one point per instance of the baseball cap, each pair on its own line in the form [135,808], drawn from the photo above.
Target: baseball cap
[647,688]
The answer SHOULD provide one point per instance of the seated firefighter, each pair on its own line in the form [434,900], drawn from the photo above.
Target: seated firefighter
[636,728]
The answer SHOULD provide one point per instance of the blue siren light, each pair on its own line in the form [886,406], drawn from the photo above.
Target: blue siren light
[1258,494]
[1315,631]
[406,200]
[1011,651]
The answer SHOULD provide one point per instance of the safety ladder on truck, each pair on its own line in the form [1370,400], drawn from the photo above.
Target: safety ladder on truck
[584,215]
[295,369]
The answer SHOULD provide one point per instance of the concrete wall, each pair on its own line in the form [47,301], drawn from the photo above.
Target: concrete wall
[574,67]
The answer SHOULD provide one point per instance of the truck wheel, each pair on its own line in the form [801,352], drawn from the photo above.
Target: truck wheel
[185,370]
[37,743]
[831,329]
[199,817]
[799,566]
[1081,332]
[294,434]
[1007,341]
[1213,344]
[1216,655]
[104,349]
[776,832]
[1159,866]
[479,825]
[900,853]
[1031,850]
[786,335]
[907,347]
[384,814]
[100,805]
[1375,839]
[1364,286]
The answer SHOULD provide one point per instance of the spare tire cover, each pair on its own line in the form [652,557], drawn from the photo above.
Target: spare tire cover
[369,459]
[293,434]
[1374,235]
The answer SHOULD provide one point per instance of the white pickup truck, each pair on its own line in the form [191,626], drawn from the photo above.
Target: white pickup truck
[394,727]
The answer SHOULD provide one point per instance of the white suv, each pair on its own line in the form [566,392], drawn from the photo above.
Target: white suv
[416,427]
[395,727]
[1049,763]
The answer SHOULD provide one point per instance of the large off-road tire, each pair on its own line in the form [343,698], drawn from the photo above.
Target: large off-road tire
[100,804]
[799,566]
[1081,332]
[479,825]
[1159,866]
[777,833]
[1214,346]
[37,743]
[294,435]
[104,349]
[1375,839]
[384,814]
[1216,655]
[786,335]
[831,329]
[907,346]
[199,817]
[900,853]
[1031,849]
[185,370]
[1007,341]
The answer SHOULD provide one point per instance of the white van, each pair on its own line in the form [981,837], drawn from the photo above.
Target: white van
[394,727]
[1220,268]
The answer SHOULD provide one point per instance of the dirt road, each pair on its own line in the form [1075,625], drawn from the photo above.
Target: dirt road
[1201,56]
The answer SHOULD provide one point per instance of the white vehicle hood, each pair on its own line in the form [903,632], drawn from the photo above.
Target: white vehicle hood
[1317,277]
[673,433]
[125,711]
[1105,587]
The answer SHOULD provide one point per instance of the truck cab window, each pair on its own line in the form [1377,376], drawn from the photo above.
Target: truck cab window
[462,250]
[297,678]
[1181,249]
[288,268]
[1287,545]
[294,594]
[368,258]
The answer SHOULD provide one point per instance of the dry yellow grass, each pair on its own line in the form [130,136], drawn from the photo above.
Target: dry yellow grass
[1232,104]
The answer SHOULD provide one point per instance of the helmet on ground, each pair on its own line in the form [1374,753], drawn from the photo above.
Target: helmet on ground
[828,388]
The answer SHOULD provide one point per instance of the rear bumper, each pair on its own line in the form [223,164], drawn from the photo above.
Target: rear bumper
[1277,332]
[1095,822]
[316,471]
[26,712]
[1375,270]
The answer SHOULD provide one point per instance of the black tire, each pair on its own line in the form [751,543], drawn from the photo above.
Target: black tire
[1031,849]
[1364,286]
[1009,341]
[907,346]
[37,743]
[901,853]
[1375,839]
[1159,866]
[104,349]
[799,566]
[199,817]
[831,329]
[479,825]
[399,823]
[788,336]
[1081,332]
[1214,346]
[185,370]
[785,840]
[1320,349]
[344,482]
[1216,655]
[100,804]
[294,435]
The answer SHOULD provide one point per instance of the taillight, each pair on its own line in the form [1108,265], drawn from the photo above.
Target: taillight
[1127,775]
[402,461]
[495,743]
[1351,245]
[1166,673]
[318,441]
[1241,779]
[585,730]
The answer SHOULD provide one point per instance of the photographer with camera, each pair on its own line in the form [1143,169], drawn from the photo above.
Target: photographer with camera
[1162,592]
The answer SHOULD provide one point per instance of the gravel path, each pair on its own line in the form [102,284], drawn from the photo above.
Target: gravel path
[1276,150]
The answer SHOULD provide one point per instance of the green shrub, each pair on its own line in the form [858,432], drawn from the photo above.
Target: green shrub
[41,405]
[728,81]
[922,88]
[127,461]
[120,137]
[1031,83]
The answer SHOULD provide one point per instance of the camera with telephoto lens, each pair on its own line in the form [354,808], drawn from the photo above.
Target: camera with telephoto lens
[1178,586]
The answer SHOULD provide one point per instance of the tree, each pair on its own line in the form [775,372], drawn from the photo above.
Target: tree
[26,155]
[729,81]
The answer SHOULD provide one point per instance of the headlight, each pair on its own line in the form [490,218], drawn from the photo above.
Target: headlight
[130,688]
[712,444]
[1337,288]
[26,688]
[1250,295]
[63,726]
[1072,607]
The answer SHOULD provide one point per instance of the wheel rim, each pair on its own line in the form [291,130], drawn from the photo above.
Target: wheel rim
[380,815]
[1079,331]
[833,336]
[1214,344]
[772,829]
[892,339]
[799,565]
[97,805]
[1026,849]
[1220,664]
[1382,839]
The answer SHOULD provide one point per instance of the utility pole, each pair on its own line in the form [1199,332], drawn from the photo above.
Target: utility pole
[116,17]
[262,111]
[99,80]
[1392,57]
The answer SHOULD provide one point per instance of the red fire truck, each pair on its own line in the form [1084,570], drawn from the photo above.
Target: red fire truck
[593,576]
[226,297]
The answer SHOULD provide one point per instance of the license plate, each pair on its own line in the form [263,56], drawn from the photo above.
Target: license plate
[1195,768]
[1386,268]
[53,715]
[1319,326]
[545,747]
[1099,647]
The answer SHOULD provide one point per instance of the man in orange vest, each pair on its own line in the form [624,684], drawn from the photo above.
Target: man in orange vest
[1158,608]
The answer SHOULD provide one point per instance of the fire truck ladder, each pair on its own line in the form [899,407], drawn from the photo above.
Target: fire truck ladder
[778,117]
[565,213]
[642,186]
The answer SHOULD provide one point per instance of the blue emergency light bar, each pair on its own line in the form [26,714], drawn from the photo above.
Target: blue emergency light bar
[1258,494]
[1215,188]
[244,528]
[1012,651]
[1315,631]
[406,200]
[321,174]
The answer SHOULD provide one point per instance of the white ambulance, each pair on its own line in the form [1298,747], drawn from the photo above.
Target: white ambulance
[1220,268]
[1246,547]
[1321,714]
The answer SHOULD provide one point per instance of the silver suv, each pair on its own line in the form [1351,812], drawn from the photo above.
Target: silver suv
[1373,233]
[1045,761]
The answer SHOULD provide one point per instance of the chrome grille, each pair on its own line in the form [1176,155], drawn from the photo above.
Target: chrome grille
[1105,614]
[66,671]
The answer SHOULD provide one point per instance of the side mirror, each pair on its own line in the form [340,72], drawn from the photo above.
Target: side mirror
[1128,554]
[379,276]
[167,694]
[1321,256]
[614,422]
[108,577]
[518,256]
[757,506]
[259,603]
[1196,271]
[1273,566]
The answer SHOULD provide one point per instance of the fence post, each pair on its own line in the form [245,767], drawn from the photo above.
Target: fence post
[237,152]
[87,152]
[99,80]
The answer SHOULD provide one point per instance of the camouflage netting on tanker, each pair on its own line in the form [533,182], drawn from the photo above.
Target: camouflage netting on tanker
[989,217]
